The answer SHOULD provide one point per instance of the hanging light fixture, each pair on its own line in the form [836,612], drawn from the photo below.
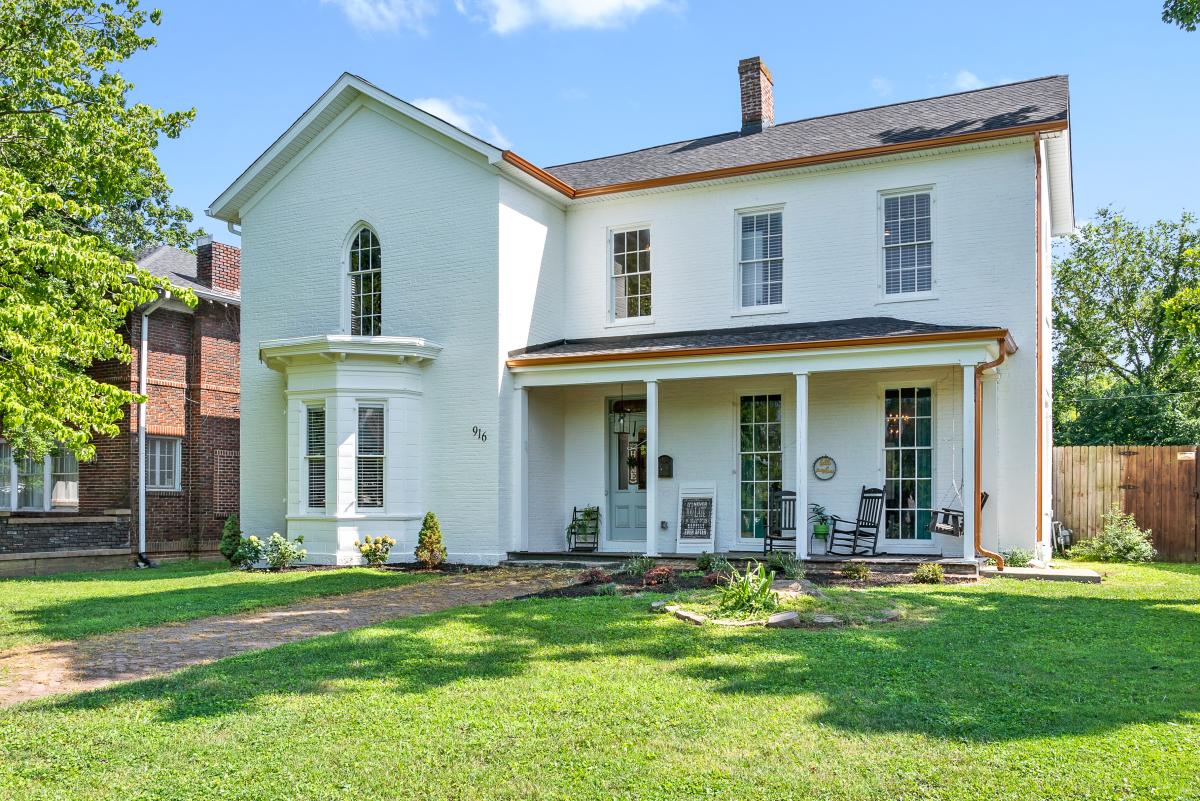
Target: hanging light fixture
[619,423]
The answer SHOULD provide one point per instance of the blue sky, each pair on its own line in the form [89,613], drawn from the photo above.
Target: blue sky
[562,80]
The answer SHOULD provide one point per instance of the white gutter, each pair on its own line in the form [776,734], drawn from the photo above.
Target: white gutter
[143,352]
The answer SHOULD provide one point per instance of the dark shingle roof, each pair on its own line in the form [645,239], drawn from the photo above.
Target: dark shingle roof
[763,336]
[179,267]
[1038,101]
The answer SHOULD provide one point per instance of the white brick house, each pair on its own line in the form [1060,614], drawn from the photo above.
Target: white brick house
[432,323]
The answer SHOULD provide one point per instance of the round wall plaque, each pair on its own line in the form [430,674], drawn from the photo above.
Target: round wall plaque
[824,468]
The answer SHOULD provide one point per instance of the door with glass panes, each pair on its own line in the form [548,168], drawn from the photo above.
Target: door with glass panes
[907,469]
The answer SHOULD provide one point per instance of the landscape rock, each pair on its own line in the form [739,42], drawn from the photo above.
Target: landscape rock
[827,620]
[737,624]
[794,587]
[889,615]
[691,617]
[783,620]
[658,606]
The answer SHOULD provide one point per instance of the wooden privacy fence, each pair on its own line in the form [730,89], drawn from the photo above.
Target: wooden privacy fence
[1157,484]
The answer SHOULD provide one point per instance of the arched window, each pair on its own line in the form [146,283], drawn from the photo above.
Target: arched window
[365,284]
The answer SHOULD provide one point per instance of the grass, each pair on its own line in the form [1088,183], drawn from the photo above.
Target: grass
[1006,690]
[75,605]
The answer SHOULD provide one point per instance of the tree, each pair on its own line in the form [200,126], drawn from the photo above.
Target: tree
[81,193]
[1126,317]
[1184,13]
[430,550]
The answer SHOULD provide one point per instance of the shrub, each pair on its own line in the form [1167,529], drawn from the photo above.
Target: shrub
[929,573]
[280,552]
[785,564]
[430,550]
[658,576]
[638,565]
[750,591]
[1119,541]
[608,589]
[713,579]
[594,575]
[704,561]
[1018,557]
[249,551]
[375,550]
[231,539]
[856,571]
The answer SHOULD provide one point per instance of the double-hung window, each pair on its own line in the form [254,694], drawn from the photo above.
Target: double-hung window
[366,284]
[630,273]
[907,243]
[23,480]
[163,459]
[369,467]
[314,455]
[760,258]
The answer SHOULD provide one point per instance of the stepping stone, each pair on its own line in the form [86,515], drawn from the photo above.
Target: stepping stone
[658,606]
[888,615]
[691,617]
[827,620]
[797,587]
[783,620]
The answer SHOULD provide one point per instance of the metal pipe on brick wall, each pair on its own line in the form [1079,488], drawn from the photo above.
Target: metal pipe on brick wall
[143,358]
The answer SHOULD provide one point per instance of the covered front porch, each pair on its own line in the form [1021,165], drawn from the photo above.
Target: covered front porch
[679,454]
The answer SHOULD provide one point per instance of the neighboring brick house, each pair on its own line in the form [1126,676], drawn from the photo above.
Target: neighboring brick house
[90,516]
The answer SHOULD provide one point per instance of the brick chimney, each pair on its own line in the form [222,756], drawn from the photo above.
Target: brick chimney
[758,95]
[218,266]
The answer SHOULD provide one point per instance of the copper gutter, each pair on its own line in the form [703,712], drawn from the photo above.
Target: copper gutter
[977,497]
[783,164]
[1000,334]
[1038,338]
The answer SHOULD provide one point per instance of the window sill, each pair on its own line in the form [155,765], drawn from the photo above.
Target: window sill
[165,490]
[627,321]
[907,297]
[755,311]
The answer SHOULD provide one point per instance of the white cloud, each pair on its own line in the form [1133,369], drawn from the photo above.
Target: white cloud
[467,115]
[386,16]
[881,86]
[508,16]
[965,80]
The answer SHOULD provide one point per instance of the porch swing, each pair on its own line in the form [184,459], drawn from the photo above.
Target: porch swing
[948,520]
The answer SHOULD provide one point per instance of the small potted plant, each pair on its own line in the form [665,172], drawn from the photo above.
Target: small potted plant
[819,517]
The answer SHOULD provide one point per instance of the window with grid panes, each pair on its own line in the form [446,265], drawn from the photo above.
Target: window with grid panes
[908,463]
[163,459]
[369,467]
[907,243]
[761,258]
[314,455]
[631,273]
[761,457]
[366,290]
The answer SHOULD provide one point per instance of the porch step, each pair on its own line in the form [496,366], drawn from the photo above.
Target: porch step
[882,563]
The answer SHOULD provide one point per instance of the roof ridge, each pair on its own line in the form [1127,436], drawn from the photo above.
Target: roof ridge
[810,119]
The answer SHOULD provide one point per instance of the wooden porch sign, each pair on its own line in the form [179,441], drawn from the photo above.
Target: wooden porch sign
[697,517]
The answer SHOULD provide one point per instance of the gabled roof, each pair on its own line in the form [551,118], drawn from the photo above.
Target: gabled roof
[336,99]
[855,331]
[179,267]
[1039,104]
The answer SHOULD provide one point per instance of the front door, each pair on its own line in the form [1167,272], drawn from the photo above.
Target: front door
[627,471]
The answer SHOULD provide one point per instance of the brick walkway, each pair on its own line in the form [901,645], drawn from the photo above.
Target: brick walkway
[66,667]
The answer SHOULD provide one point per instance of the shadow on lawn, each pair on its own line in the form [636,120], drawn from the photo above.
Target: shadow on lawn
[992,665]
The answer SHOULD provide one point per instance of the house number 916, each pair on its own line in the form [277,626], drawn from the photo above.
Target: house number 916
[479,433]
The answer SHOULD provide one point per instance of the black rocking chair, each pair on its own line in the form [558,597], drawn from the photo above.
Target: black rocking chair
[781,521]
[860,536]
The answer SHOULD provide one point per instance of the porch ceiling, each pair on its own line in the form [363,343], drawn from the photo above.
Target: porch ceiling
[853,332]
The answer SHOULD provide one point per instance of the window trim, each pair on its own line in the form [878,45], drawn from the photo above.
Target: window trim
[178,468]
[740,310]
[307,458]
[11,473]
[610,291]
[881,251]
[369,511]
[347,278]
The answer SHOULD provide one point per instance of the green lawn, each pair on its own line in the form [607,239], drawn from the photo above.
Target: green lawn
[1005,689]
[74,605]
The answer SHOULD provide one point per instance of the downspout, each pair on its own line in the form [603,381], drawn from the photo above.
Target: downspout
[143,354]
[977,497]
[1040,311]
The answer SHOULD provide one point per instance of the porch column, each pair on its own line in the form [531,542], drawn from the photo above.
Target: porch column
[969,459]
[651,467]
[801,465]
[520,470]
